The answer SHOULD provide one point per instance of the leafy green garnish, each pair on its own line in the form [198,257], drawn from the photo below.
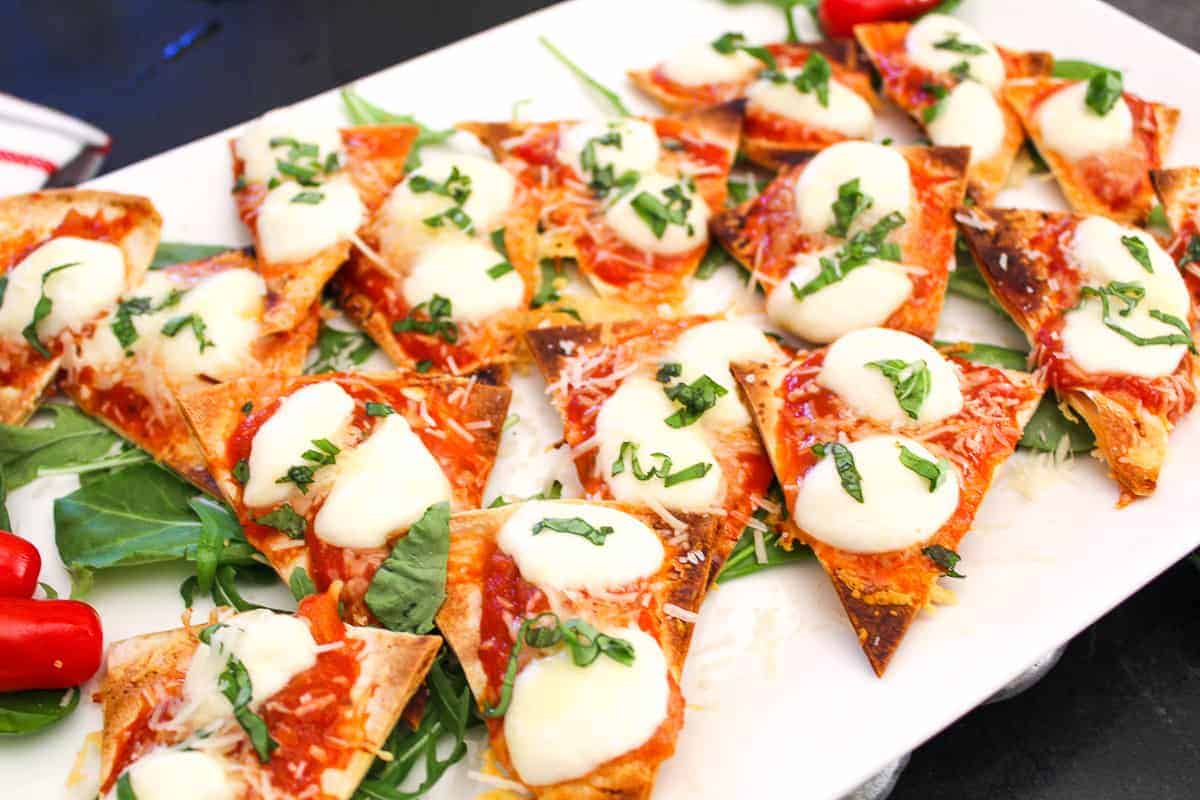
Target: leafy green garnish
[1049,424]
[851,201]
[340,351]
[1104,90]
[234,683]
[1131,295]
[42,309]
[1192,254]
[1137,248]
[169,253]
[30,711]
[123,327]
[814,77]
[910,382]
[695,398]
[628,453]
[379,409]
[300,584]
[671,209]
[956,45]
[668,371]
[858,252]
[362,112]
[408,589]
[438,323]
[195,323]
[730,43]
[945,559]
[939,94]
[72,442]
[285,520]
[608,94]
[934,472]
[308,197]
[843,462]
[575,525]
[546,292]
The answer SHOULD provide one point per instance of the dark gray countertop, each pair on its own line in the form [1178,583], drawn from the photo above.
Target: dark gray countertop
[1119,717]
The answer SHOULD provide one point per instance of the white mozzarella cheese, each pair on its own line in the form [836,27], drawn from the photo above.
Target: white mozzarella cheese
[638,148]
[882,173]
[934,29]
[381,486]
[636,413]
[305,126]
[970,116]
[181,775]
[290,231]
[700,64]
[77,293]
[868,391]
[897,511]
[491,189]
[316,411]
[457,270]
[1069,126]
[1096,249]
[709,349]
[564,721]
[274,648]
[567,561]
[624,219]
[1097,349]
[847,113]
[864,298]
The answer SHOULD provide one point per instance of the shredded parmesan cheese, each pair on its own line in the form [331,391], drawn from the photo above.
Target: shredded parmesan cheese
[672,610]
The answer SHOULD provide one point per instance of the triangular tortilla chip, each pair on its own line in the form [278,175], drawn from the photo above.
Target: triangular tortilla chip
[1179,190]
[483,582]
[882,592]
[29,221]
[457,420]
[1115,183]
[328,730]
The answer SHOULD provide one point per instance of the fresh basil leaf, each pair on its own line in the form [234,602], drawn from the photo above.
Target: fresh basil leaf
[1141,254]
[1075,70]
[857,252]
[851,201]
[668,372]
[300,584]
[843,462]
[72,440]
[437,322]
[285,520]
[309,197]
[714,258]
[695,398]
[1157,218]
[215,522]
[956,45]
[379,409]
[409,587]
[234,683]
[694,472]
[1103,91]
[574,525]
[911,382]
[814,77]
[1192,254]
[27,712]
[966,280]
[990,354]
[608,94]
[743,559]
[934,472]
[547,292]
[939,94]
[125,787]
[945,559]
[340,351]
[1049,425]
[42,309]
[5,522]
[241,471]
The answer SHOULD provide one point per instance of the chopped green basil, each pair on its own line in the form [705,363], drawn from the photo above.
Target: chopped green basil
[696,397]
[935,473]
[42,309]
[857,252]
[285,520]
[910,381]
[379,409]
[193,322]
[439,323]
[1104,90]
[1137,248]
[843,462]
[575,525]
[945,559]
[956,45]
[851,202]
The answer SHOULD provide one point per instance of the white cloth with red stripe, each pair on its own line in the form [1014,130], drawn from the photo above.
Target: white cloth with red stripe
[35,142]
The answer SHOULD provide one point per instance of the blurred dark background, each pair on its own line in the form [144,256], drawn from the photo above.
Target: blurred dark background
[1119,717]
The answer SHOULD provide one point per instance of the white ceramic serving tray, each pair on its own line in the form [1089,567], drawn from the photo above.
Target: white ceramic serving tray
[782,703]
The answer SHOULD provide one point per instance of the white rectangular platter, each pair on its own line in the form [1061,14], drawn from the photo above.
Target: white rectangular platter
[781,701]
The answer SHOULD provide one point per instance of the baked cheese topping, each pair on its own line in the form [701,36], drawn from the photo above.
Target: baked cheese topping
[458,271]
[846,112]
[635,414]
[180,775]
[864,298]
[939,43]
[857,369]
[626,145]
[296,222]
[317,411]
[970,116]
[381,486]
[273,648]
[87,278]
[700,64]
[709,349]
[1069,126]
[898,508]
[635,219]
[285,126]
[628,549]
[1097,349]
[883,176]
[564,720]
[1097,249]
[482,188]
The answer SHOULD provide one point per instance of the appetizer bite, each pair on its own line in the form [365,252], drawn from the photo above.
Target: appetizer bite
[1179,190]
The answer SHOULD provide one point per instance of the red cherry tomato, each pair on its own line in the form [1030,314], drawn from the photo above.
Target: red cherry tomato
[47,644]
[838,17]
[20,565]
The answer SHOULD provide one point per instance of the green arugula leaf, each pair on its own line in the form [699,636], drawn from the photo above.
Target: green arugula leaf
[125,787]
[575,525]
[1157,218]
[72,442]
[31,711]
[409,587]
[990,354]
[217,526]
[362,112]
[966,280]
[608,94]
[1048,425]
[945,559]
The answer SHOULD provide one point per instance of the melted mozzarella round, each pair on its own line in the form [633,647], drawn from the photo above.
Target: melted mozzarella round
[970,117]
[77,293]
[1069,126]
[317,411]
[635,413]
[564,720]
[869,392]
[181,775]
[864,298]
[1097,349]
[306,126]
[274,648]
[1096,248]
[847,113]
[491,194]
[567,561]
[933,29]
[624,219]
[381,486]
[709,349]
[700,64]
[898,509]
[638,149]
[292,231]
[882,175]
[457,270]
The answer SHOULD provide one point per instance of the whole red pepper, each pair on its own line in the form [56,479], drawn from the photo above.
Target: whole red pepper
[47,644]
[20,565]
[838,17]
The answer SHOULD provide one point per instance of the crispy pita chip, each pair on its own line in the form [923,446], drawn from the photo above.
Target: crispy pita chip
[1023,257]
[484,585]
[578,362]
[764,233]
[1179,190]
[375,158]
[457,420]
[329,743]
[1116,182]
[883,592]
[30,221]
